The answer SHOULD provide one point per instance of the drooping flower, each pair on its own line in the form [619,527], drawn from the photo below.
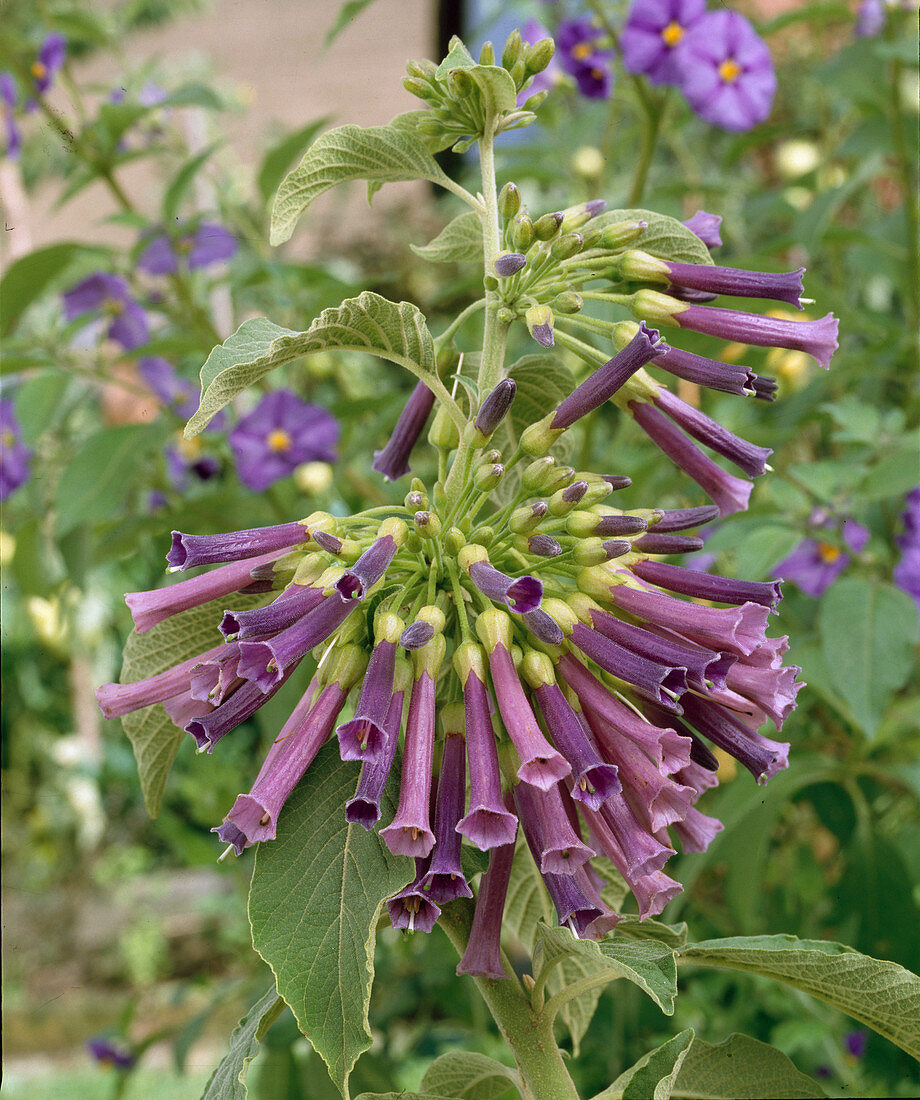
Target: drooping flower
[15,456]
[726,71]
[278,435]
[393,460]
[109,294]
[206,244]
[816,563]
[907,571]
[654,34]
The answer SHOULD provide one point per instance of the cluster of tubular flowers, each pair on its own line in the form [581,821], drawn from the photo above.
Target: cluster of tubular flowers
[554,264]
[535,664]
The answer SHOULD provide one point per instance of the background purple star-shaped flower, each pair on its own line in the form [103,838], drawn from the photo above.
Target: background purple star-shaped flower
[109,293]
[208,244]
[815,564]
[50,59]
[9,97]
[15,456]
[654,34]
[278,435]
[177,393]
[907,571]
[580,57]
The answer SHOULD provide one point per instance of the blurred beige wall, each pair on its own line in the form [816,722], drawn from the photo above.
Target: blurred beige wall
[272,51]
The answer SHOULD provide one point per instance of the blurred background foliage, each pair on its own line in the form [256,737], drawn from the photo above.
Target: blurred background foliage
[124,927]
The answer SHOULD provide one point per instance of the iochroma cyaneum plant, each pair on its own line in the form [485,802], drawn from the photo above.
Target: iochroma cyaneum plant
[514,684]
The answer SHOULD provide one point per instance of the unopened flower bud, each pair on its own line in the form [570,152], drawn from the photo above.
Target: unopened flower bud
[509,201]
[617,481]
[642,266]
[539,321]
[460,84]
[534,477]
[509,263]
[656,308]
[487,477]
[539,55]
[566,500]
[494,409]
[424,69]
[522,234]
[416,635]
[485,535]
[417,87]
[504,315]
[568,302]
[443,432]
[313,477]
[558,477]
[330,543]
[567,246]
[528,517]
[534,102]
[598,490]
[543,546]
[487,54]
[513,48]
[591,551]
[454,540]
[415,501]
[427,525]
[547,226]
[621,233]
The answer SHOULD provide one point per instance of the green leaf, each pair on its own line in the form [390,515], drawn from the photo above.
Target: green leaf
[877,993]
[459,57]
[665,237]
[893,476]
[674,935]
[39,404]
[96,482]
[458,242]
[27,277]
[347,13]
[464,1075]
[496,88]
[177,189]
[654,1075]
[153,736]
[542,383]
[741,1068]
[228,1081]
[367,323]
[316,894]
[382,154]
[279,158]
[194,94]
[868,636]
[649,964]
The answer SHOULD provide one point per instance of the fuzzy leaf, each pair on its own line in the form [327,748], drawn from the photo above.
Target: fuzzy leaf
[367,323]
[741,1068]
[382,154]
[316,894]
[665,237]
[228,1081]
[278,158]
[654,1075]
[153,736]
[880,994]
[459,241]
[464,1075]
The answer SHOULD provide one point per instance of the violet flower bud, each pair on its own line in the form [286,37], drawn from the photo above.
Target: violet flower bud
[495,408]
[509,263]
[393,460]
[445,880]
[191,550]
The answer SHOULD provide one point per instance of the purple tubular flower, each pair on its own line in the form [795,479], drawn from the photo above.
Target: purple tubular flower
[541,765]
[266,662]
[232,712]
[653,36]
[617,526]
[411,909]
[278,435]
[365,736]
[364,808]
[593,779]
[726,71]
[187,551]
[816,338]
[606,380]
[409,833]
[294,602]
[706,227]
[738,282]
[15,457]
[653,892]
[510,263]
[656,543]
[659,680]
[213,680]
[680,519]
[393,460]
[772,690]
[109,293]
[416,635]
[730,493]
[700,665]
[707,586]
[746,456]
[544,627]
[615,821]
[697,831]
[148,608]
[488,824]
[445,880]
[907,571]
[739,630]
[118,699]
[483,951]
[254,816]
[656,800]
[762,757]
[108,1054]
[520,594]
[715,375]
[556,847]
[495,407]
[50,59]
[356,582]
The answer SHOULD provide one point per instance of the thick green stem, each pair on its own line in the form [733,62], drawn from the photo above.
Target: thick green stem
[529,1036]
[652,114]
[491,369]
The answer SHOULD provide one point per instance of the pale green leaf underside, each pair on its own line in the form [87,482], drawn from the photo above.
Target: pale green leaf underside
[316,894]
[153,736]
[368,323]
[741,1068]
[228,1081]
[465,1075]
[665,237]
[880,994]
[384,154]
[460,241]
[654,1075]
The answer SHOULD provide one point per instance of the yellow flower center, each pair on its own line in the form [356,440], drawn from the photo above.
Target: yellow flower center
[278,440]
[672,34]
[7,439]
[184,244]
[828,553]
[730,70]
[39,70]
[582,50]
[113,306]
[190,448]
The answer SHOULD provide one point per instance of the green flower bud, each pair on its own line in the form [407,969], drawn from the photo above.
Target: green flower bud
[547,226]
[581,524]
[656,308]
[642,266]
[528,517]
[590,552]
[518,73]
[460,84]
[443,432]
[522,233]
[487,477]
[534,102]
[538,438]
[568,302]
[513,48]
[454,540]
[423,69]
[504,315]
[485,536]
[558,478]
[430,127]
[487,54]
[427,525]
[509,200]
[598,490]
[569,245]
[535,475]
[416,87]
[621,233]
[539,55]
